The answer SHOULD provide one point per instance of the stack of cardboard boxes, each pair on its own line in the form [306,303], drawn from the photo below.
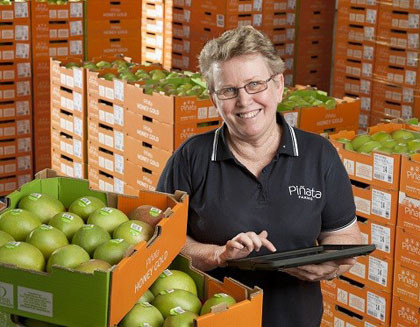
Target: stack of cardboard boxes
[58,32]
[15,96]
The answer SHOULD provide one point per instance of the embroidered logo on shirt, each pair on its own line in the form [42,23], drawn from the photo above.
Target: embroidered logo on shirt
[304,193]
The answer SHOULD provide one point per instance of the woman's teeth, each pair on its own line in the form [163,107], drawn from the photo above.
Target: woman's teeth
[251,114]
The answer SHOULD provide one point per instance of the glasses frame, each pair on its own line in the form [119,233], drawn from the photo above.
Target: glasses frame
[245,88]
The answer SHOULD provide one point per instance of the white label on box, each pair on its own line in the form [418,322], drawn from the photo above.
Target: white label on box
[24,145]
[53,34]
[412,59]
[7,75]
[220,20]
[78,77]
[23,69]
[78,126]
[257,19]
[78,170]
[34,301]
[257,5]
[413,20]
[77,148]
[349,165]
[21,32]
[416,4]
[376,306]
[7,296]
[109,93]
[118,115]
[363,171]
[368,52]
[52,14]
[109,118]
[362,205]
[381,203]
[119,90]
[63,33]
[63,51]
[24,163]
[76,47]
[383,168]
[7,35]
[7,112]
[202,113]
[69,148]
[76,10]
[371,16]
[23,88]
[7,55]
[7,14]
[77,101]
[64,13]
[23,127]
[76,28]
[63,146]
[22,51]
[356,302]
[359,270]
[378,271]
[119,141]
[342,296]
[118,186]
[11,168]
[381,237]
[21,10]
[410,77]
[119,163]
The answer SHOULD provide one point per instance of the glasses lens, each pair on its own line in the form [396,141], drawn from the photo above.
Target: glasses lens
[256,86]
[227,93]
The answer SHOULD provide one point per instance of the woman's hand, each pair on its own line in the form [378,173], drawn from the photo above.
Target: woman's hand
[242,245]
[323,271]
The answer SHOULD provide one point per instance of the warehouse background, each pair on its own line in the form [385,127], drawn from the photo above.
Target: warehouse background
[364,53]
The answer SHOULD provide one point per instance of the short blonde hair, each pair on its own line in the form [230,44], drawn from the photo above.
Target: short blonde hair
[240,41]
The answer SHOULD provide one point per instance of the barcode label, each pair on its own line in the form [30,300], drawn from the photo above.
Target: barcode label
[381,237]
[381,204]
[376,306]
[378,271]
[383,167]
[363,171]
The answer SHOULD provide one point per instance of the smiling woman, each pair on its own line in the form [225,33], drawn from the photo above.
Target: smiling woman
[257,184]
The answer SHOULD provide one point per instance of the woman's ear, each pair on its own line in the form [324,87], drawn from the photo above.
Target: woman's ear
[280,87]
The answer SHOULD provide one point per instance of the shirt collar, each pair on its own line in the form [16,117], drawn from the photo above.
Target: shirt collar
[288,144]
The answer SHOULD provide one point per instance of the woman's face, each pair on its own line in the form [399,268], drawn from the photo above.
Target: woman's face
[248,116]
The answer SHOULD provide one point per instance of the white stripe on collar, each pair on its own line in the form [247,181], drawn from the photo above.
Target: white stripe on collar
[215,143]
[294,141]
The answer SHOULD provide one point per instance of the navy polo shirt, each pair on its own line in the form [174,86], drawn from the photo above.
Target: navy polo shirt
[303,191]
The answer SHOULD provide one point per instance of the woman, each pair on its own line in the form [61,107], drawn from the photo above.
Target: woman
[258,184]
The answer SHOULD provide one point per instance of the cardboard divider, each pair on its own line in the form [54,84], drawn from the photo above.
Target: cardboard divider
[404,314]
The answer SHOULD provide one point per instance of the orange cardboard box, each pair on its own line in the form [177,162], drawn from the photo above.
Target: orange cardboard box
[44,13]
[165,136]
[377,204]
[329,290]
[15,51]
[16,12]
[106,137]
[399,38]
[14,165]
[8,184]
[397,57]
[13,31]
[123,9]
[399,75]
[107,113]
[107,161]
[15,90]
[410,176]
[68,122]
[374,272]
[155,10]
[73,79]
[68,145]
[150,39]
[377,169]
[16,109]
[112,91]
[409,213]
[406,284]
[407,249]
[328,314]
[404,314]
[143,154]
[344,85]
[169,109]
[140,177]
[113,28]
[355,50]
[68,100]
[110,46]
[352,67]
[11,129]
[391,18]
[344,317]
[153,25]
[365,301]
[15,71]
[13,147]
[66,166]
[382,235]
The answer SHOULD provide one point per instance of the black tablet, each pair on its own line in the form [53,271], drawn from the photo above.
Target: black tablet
[301,257]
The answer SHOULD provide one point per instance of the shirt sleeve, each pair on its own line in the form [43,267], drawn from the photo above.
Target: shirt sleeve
[175,175]
[339,210]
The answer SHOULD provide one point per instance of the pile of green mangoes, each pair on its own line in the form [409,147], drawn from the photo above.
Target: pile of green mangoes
[177,83]
[400,141]
[293,99]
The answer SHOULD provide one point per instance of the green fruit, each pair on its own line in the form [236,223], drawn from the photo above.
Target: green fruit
[5,238]
[134,231]
[89,237]
[181,319]
[69,256]
[215,300]
[359,140]
[90,66]
[69,223]
[157,75]
[109,76]
[112,251]
[400,148]
[103,64]
[389,143]
[173,279]
[146,297]
[92,265]
[47,239]
[142,314]
[42,205]
[107,218]
[381,136]
[18,223]
[402,134]
[85,205]
[348,146]
[414,145]
[343,140]
[70,65]
[368,147]
[23,255]
[167,300]
[384,149]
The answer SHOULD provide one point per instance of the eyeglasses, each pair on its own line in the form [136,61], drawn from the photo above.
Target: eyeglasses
[250,88]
